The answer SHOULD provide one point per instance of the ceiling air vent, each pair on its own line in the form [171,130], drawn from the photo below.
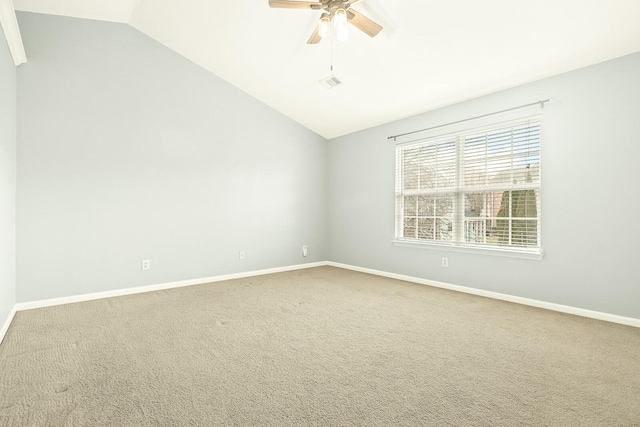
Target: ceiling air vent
[329,82]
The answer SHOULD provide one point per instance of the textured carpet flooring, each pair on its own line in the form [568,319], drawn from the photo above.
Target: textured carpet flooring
[323,346]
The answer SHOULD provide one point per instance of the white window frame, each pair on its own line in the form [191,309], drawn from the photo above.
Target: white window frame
[458,245]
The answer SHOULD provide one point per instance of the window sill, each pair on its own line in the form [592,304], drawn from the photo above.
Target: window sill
[510,253]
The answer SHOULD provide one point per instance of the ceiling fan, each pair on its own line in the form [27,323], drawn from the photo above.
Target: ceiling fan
[338,12]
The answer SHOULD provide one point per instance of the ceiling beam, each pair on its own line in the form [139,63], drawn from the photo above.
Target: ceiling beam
[9,24]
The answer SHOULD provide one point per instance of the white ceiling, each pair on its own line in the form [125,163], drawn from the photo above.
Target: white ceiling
[431,53]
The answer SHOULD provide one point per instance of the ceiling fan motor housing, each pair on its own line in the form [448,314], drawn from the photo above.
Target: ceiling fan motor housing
[332,5]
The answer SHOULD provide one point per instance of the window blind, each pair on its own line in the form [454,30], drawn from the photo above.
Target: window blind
[480,187]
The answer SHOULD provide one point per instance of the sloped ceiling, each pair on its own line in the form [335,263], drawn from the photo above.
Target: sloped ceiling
[429,54]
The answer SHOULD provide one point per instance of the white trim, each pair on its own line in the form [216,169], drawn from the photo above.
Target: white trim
[12,32]
[629,321]
[482,250]
[158,287]
[7,323]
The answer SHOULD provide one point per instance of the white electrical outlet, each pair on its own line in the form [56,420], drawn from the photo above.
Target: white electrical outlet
[146,264]
[445,261]
[304,250]
[241,255]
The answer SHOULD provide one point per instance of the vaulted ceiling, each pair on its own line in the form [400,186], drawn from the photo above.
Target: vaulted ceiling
[431,53]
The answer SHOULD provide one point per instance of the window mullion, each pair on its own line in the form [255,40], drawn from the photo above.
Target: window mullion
[458,195]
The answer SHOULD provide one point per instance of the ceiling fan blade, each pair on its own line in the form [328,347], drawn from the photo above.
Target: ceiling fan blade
[315,36]
[363,23]
[290,4]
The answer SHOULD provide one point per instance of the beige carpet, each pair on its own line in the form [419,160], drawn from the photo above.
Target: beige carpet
[323,346]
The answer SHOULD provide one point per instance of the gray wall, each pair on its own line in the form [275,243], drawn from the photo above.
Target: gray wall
[7,182]
[127,151]
[590,178]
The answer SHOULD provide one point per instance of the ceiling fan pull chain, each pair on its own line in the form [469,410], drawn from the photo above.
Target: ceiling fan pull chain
[331,53]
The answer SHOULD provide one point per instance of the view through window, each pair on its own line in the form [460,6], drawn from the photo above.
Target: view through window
[478,188]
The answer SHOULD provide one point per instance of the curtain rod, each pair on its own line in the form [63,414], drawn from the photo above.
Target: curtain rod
[541,103]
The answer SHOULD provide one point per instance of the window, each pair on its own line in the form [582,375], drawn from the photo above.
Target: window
[478,188]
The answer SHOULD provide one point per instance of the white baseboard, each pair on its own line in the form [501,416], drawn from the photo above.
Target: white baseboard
[159,287]
[5,326]
[629,321]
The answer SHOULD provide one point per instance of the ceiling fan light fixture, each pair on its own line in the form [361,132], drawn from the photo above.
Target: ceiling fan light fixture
[336,12]
[340,18]
[324,28]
